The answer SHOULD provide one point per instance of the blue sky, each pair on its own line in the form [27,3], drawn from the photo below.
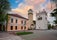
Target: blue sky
[14,4]
[45,2]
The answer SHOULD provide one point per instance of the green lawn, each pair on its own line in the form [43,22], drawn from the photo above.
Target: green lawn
[24,33]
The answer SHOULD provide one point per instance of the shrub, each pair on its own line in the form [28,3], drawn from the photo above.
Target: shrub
[49,26]
[23,33]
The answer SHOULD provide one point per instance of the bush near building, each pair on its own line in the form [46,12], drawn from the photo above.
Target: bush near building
[49,26]
[24,33]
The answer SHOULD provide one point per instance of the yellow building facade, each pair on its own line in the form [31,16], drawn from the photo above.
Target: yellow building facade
[17,22]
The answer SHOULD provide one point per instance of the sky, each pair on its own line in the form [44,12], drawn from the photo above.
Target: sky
[22,7]
[15,3]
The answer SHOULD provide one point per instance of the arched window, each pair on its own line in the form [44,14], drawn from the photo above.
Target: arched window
[22,22]
[15,27]
[21,27]
[16,20]
[25,27]
[11,20]
[11,28]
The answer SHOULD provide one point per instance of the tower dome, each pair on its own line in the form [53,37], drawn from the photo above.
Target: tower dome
[30,11]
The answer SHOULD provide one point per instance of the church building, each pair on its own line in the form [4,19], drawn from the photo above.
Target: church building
[41,20]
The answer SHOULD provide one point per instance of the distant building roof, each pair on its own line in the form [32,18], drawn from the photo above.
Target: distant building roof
[17,15]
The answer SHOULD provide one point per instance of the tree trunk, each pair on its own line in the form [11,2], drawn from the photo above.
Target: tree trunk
[6,27]
[2,27]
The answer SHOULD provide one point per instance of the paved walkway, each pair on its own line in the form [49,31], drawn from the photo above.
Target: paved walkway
[6,36]
[41,35]
[37,35]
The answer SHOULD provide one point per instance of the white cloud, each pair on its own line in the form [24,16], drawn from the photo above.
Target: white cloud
[16,1]
[36,5]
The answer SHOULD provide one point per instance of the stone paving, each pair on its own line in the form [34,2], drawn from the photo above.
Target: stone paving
[37,35]
[41,35]
[7,36]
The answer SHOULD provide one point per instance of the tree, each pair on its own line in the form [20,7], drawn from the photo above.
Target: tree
[4,8]
[54,14]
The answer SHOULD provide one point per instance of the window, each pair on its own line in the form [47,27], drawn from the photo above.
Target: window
[24,22]
[12,20]
[21,27]
[15,27]
[40,18]
[21,22]
[25,27]
[11,27]
[16,20]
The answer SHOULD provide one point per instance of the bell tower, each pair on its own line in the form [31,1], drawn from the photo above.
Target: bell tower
[30,17]
[30,14]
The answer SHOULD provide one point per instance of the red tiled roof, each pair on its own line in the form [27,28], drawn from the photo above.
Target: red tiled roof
[19,16]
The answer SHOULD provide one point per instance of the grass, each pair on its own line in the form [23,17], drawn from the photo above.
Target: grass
[23,33]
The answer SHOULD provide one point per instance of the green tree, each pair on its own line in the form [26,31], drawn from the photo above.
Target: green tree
[54,14]
[4,8]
